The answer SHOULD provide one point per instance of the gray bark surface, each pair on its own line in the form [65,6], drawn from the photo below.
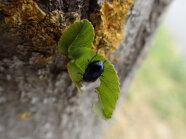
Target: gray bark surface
[59,112]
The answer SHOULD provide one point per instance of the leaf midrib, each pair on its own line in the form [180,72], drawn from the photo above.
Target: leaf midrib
[81,27]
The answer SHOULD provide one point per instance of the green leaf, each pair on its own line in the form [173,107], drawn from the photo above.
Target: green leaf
[74,73]
[79,34]
[108,90]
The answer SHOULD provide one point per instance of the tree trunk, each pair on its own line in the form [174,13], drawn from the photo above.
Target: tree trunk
[37,97]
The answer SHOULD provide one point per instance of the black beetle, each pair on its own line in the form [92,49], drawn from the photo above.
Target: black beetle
[93,70]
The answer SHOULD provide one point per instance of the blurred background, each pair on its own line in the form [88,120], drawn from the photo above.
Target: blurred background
[155,106]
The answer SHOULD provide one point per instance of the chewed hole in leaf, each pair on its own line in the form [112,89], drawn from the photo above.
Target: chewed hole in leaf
[89,86]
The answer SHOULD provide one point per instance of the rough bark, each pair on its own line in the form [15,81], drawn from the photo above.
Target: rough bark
[58,111]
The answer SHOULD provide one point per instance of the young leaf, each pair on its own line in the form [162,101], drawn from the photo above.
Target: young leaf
[79,34]
[108,90]
[75,73]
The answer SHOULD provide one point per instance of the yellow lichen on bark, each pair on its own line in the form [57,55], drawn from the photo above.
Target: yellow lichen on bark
[44,29]
[24,115]
[26,18]
[109,25]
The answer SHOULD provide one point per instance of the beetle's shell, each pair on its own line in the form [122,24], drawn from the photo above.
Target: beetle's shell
[93,71]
